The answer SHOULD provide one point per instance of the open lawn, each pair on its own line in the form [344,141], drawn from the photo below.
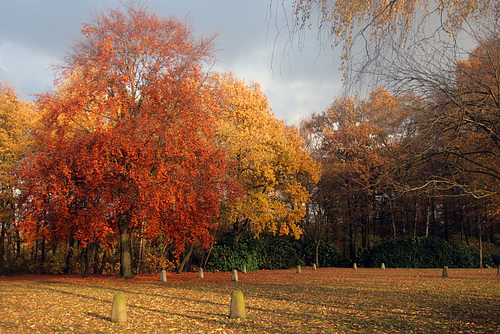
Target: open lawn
[327,300]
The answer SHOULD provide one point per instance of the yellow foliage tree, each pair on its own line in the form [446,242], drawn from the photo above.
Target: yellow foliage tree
[376,19]
[269,161]
[17,121]
[372,35]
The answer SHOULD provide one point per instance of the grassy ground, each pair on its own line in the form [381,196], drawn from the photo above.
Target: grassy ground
[327,300]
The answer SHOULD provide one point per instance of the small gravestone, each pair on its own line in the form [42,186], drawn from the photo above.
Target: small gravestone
[237,306]
[234,275]
[314,266]
[163,276]
[200,273]
[354,266]
[119,311]
[244,271]
[299,270]
[445,271]
[382,266]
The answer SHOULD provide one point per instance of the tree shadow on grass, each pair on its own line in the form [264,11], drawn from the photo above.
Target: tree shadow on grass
[74,294]
[99,316]
[126,291]
[95,315]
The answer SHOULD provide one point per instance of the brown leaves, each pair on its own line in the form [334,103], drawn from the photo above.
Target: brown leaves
[354,140]
[329,300]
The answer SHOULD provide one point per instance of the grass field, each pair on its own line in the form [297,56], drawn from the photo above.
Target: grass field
[327,300]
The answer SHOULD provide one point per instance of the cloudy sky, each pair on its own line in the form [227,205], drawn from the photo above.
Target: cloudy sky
[35,34]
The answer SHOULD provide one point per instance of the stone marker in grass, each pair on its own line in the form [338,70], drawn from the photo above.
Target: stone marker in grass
[163,276]
[119,311]
[234,275]
[200,273]
[299,270]
[237,305]
[244,271]
[445,271]
[382,266]
[314,266]
[354,266]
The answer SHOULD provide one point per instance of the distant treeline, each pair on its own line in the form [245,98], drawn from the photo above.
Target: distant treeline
[267,252]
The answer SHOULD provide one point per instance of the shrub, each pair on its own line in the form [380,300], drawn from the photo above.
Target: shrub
[270,252]
[228,255]
[19,265]
[55,264]
[282,253]
[328,253]
[423,252]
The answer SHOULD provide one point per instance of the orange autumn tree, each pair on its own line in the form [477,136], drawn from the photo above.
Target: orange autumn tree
[127,138]
[355,141]
[268,161]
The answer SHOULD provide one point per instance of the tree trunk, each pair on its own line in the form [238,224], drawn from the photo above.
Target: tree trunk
[464,229]
[446,219]
[317,251]
[415,220]
[139,256]
[96,250]
[18,243]
[43,251]
[2,245]
[84,261]
[393,221]
[125,257]
[34,251]
[67,268]
[480,245]
[352,242]
[103,261]
[125,246]
[180,268]
[208,256]
[10,247]
[428,217]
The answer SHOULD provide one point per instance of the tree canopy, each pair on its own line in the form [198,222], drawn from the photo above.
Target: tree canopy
[367,33]
[18,120]
[268,160]
[126,140]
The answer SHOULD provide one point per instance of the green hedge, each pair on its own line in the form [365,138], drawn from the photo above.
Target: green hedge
[328,254]
[423,252]
[268,253]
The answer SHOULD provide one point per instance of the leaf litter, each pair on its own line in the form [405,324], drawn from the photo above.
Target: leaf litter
[327,300]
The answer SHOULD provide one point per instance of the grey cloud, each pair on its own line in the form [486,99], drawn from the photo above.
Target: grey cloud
[3,74]
[36,34]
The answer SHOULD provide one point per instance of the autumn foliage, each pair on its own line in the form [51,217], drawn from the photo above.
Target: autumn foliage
[126,141]
[424,163]
[17,121]
[269,162]
[140,147]
[350,23]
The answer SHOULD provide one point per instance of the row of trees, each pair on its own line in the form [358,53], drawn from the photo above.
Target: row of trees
[141,149]
[420,163]
[139,140]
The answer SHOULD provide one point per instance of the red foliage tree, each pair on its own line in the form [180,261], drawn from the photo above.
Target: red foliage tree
[127,138]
